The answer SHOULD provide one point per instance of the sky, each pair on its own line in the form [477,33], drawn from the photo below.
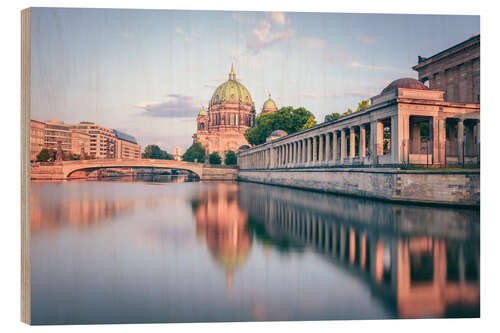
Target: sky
[148,72]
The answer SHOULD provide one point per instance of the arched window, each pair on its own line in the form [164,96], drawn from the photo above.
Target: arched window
[202,126]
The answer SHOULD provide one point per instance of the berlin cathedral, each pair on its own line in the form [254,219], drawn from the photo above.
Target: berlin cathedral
[230,113]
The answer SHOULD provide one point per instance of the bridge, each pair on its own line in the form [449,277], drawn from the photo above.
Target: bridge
[80,169]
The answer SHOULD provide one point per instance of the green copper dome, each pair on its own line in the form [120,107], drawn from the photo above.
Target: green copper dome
[231,91]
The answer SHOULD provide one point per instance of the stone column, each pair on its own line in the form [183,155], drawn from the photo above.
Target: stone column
[304,151]
[362,141]
[343,146]
[435,140]
[294,153]
[380,138]
[282,155]
[321,146]
[335,145]
[308,150]
[404,136]
[315,149]
[352,150]
[394,140]
[328,150]
[287,154]
[442,140]
[374,141]
[460,140]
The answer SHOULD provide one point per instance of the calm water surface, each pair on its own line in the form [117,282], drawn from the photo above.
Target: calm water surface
[141,251]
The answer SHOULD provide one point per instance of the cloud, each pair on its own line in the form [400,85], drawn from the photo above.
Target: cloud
[263,36]
[278,18]
[357,64]
[355,93]
[187,36]
[347,60]
[318,95]
[312,43]
[367,40]
[360,93]
[176,106]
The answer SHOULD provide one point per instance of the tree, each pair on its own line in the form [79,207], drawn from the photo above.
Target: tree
[214,158]
[196,151]
[287,119]
[364,104]
[231,158]
[45,155]
[332,116]
[310,123]
[155,152]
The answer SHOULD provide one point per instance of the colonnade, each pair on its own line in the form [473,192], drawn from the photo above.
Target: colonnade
[389,141]
[327,146]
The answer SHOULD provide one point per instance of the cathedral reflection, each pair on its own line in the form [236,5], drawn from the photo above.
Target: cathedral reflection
[423,261]
[223,224]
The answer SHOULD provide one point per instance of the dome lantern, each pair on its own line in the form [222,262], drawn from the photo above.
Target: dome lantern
[232,74]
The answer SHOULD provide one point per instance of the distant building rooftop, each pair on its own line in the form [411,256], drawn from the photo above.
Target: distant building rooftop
[124,136]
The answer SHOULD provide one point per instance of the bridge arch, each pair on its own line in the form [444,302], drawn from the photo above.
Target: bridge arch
[87,166]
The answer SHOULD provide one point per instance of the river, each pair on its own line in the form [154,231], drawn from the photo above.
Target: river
[160,249]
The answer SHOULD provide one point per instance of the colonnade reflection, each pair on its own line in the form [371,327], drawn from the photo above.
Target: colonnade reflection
[424,261]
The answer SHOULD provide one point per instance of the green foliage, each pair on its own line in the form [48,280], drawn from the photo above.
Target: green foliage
[310,123]
[196,151]
[45,155]
[287,119]
[155,152]
[364,104]
[231,158]
[214,158]
[332,116]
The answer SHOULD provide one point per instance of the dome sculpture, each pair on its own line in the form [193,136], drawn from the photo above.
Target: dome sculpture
[269,106]
[406,82]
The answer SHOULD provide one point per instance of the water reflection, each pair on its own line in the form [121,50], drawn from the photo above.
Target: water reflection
[128,250]
[422,260]
[223,224]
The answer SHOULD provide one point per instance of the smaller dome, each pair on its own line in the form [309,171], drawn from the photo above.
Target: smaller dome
[202,112]
[269,104]
[278,133]
[406,82]
[244,147]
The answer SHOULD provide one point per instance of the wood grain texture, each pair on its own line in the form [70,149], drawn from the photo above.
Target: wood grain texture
[25,170]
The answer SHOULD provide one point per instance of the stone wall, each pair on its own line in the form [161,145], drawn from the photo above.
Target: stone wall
[442,187]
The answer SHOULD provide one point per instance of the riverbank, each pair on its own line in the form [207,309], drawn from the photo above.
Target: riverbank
[443,187]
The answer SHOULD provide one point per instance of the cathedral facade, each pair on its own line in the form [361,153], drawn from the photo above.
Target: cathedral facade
[230,113]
